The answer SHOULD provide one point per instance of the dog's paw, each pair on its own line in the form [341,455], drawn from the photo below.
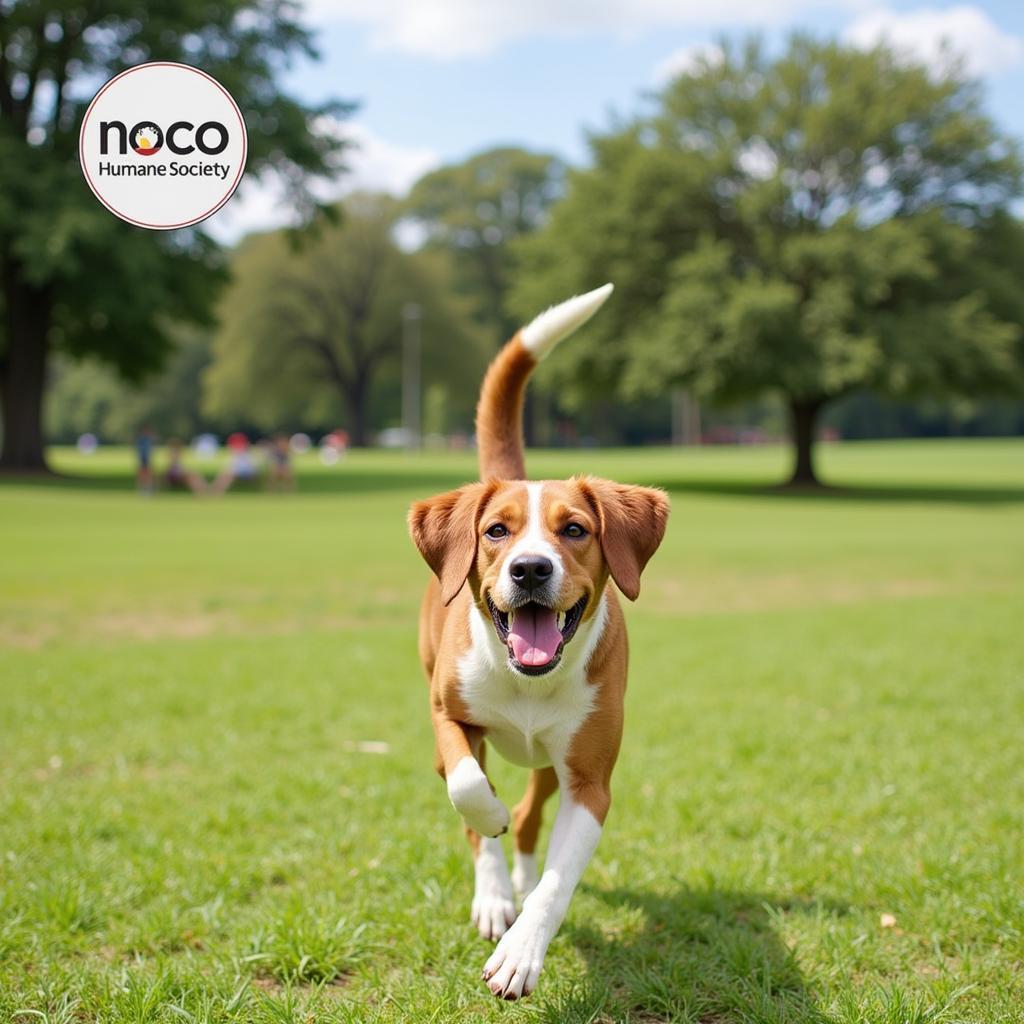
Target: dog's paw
[493,903]
[492,914]
[513,969]
[471,795]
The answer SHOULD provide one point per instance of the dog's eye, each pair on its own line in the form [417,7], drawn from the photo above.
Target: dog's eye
[575,531]
[496,532]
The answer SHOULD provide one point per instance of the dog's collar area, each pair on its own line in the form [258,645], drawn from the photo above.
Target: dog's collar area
[535,658]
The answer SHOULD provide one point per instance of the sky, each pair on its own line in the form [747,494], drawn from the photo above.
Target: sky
[438,80]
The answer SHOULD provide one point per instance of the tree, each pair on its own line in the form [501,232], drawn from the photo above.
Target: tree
[89,395]
[475,210]
[313,335]
[827,220]
[73,278]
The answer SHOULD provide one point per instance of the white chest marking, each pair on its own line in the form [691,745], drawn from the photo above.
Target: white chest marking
[530,721]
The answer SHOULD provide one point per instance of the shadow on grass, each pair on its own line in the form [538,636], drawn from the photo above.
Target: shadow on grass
[345,481]
[702,955]
[429,480]
[957,494]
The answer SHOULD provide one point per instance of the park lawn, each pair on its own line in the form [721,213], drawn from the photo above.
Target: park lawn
[216,793]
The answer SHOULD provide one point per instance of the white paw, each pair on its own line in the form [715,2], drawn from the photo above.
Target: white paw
[524,873]
[470,794]
[494,908]
[514,967]
[492,914]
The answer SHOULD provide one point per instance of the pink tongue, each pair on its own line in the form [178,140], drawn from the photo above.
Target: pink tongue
[535,635]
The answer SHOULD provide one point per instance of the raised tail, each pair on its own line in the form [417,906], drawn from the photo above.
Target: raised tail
[499,413]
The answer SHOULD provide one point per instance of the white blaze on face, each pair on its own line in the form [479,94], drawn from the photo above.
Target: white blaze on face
[532,542]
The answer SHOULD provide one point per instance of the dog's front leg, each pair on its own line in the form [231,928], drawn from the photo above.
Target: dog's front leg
[514,967]
[468,787]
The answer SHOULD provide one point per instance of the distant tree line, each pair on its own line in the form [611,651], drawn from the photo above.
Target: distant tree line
[818,238]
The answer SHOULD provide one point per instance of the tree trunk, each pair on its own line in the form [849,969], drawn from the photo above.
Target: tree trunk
[358,397]
[803,414]
[23,372]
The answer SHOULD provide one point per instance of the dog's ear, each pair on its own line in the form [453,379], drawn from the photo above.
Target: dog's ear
[632,521]
[444,529]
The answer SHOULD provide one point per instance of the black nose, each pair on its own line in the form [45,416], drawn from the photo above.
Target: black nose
[531,572]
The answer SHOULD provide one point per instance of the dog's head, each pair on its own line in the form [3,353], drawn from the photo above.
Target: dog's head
[537,555]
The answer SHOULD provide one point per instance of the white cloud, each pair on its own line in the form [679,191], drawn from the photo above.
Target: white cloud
[687,59]
[374,165]
[935,35]
[450,29]
[385,166]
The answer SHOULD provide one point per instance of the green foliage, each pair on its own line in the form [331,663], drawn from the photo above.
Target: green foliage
[90,396]
[826,220]
[823,723]
[847,307]
[314,335]
[475,210]
[75,278]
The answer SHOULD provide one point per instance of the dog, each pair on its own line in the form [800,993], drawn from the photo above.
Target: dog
[524,645]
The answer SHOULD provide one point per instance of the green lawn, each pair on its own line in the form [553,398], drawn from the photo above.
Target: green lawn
[216,793]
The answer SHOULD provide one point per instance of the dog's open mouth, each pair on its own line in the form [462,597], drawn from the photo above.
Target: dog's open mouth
[536,634]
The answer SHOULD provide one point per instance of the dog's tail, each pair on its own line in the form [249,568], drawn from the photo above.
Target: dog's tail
[499,413]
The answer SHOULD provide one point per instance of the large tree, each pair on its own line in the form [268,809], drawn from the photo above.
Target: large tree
[806,224]
[73,278]
[314,334]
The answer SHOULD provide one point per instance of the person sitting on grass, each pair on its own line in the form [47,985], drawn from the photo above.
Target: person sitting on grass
[176,475]
[242,466]
[280,476]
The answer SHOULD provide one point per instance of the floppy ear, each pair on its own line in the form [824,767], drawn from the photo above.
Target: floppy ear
[444,530]
[632,521]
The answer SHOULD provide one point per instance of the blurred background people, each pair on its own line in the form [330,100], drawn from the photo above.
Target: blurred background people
[280,475]
[242,465]
[144,443]
[177,475]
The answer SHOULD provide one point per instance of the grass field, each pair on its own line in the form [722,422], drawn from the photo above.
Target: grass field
[216,793]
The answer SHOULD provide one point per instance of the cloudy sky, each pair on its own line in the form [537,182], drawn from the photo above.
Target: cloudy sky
[437,80]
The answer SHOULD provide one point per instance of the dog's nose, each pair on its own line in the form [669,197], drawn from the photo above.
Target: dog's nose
[531,571]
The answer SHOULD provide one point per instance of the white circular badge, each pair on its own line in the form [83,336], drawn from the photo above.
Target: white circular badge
[163,145]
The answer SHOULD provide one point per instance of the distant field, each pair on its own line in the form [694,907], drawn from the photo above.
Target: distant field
[823,729]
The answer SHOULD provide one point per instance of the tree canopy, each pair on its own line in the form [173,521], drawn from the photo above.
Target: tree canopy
[805,224]
[75,279]
[475,210]
[314,335]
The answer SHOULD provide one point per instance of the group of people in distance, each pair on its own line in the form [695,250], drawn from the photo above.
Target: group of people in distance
[268,461]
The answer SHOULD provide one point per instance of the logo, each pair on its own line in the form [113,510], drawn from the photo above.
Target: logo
[163,145]
[147,139]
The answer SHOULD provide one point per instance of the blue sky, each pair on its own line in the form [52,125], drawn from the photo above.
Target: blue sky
[437,80]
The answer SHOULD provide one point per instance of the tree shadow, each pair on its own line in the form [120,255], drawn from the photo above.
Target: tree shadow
[956,494]
[706,955]
[428,480]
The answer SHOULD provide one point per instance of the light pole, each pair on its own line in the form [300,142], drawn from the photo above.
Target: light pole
[412,316]
[685,418]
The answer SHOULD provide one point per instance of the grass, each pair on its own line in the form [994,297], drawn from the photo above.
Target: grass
[216,795]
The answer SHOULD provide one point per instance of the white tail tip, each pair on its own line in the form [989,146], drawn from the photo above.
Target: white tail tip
[544,332]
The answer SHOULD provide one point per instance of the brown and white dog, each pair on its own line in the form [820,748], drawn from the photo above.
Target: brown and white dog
[524,643]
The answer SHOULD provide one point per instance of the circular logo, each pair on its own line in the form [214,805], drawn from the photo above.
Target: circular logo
[163,145]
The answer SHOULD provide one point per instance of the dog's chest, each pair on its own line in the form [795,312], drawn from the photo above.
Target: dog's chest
[526,725]
[530,722]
